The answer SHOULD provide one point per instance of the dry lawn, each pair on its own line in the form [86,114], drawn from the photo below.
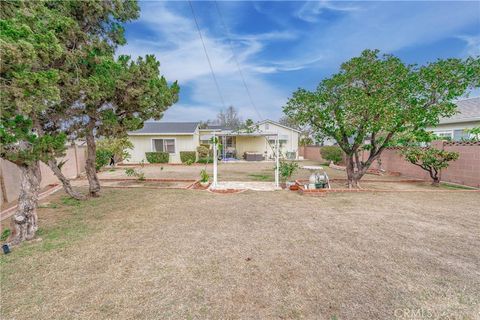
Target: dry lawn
[184,254]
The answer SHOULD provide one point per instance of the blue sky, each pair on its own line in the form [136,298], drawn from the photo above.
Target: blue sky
[281,45]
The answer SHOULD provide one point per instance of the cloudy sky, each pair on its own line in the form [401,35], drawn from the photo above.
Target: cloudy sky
[280,46]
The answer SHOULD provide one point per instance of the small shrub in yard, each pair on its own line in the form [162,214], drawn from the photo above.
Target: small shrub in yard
[5,234]
[204,177]
[188,156]
[157,157]
[139,174]
[287,169]
[331,153]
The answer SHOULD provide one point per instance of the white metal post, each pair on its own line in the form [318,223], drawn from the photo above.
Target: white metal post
[277,163]
[214,160]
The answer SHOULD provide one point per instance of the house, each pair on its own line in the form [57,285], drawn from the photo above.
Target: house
[174,137]
[467,117]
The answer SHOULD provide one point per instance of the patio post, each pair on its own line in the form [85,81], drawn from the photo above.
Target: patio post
[214,161]
[277,162]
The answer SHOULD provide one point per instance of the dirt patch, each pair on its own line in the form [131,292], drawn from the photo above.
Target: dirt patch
[178,254]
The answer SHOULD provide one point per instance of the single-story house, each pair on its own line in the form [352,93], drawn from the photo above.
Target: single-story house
[455,127]
[174,137]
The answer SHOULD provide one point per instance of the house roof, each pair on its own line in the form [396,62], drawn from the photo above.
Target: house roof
[467,110]
[277,124]
[154,127]
[217,127]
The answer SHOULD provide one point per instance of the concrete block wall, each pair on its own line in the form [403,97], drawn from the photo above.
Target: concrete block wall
[75,158]
[466,170]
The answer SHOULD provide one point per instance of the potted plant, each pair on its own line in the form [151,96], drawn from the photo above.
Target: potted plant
[287,169]
[204,178]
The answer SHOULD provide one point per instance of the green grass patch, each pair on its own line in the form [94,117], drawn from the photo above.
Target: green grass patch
[68,201]
[455,186]
[261,176]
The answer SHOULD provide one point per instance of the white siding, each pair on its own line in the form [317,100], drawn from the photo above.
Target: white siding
[143,143]
[291,136]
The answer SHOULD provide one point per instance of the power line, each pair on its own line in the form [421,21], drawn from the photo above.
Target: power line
[206,54]
[236,61]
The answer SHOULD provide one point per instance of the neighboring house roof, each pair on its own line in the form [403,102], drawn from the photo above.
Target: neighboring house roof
[217,127]
[277,124]
[182,128]
[467,110]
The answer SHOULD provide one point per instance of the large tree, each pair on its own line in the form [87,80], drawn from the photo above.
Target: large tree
[32,48]
[375,98]
[229,118]
[100,31]
[119,95]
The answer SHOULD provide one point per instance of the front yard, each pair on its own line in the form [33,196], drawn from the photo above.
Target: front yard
[183,254]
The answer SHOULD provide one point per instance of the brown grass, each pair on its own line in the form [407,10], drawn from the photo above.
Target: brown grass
[184,254]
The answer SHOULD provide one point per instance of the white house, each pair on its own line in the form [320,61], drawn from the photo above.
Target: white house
[455,127]
[256,143]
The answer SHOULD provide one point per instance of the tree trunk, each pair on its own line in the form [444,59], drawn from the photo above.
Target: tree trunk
[65,181]
[24,221]
[94,184]
[435,178]
[352,177]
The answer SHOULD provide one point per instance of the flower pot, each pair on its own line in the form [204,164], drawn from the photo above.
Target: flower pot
[294,187]
[204,183]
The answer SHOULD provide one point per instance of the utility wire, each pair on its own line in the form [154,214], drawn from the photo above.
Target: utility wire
[222,20]
[206,54]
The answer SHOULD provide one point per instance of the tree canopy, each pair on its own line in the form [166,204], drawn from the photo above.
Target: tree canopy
[374,98]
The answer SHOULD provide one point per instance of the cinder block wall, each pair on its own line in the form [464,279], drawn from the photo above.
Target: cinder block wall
[75,165]
[466,170]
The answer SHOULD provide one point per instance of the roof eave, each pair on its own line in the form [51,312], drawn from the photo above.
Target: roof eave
[449,121]
[160,134]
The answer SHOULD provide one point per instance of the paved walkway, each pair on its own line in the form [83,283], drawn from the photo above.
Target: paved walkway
[246,185]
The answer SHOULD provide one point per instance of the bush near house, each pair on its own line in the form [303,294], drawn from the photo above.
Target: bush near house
[203,151]
[331,153]
[188,156]
[102,158]
[157,157]
[205,160]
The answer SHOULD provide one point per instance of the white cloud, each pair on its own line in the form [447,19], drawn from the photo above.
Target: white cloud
[178,47]
[312,10]
[472,45]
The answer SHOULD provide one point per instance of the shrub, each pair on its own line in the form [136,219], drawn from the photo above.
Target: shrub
[5,234]
[205,160]
[332,153]
[204,177]
[102,159]
[118,147]
[287,169]
[203,151]
[188,156]
[157,157]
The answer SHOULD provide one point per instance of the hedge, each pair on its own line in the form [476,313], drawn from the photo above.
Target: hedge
[332,153]
[157,157]
[205,160]
[188,156]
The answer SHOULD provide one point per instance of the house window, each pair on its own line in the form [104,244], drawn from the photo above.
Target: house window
[459,135]
[164,145]
[444,134]
[230,142]
[267,126]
